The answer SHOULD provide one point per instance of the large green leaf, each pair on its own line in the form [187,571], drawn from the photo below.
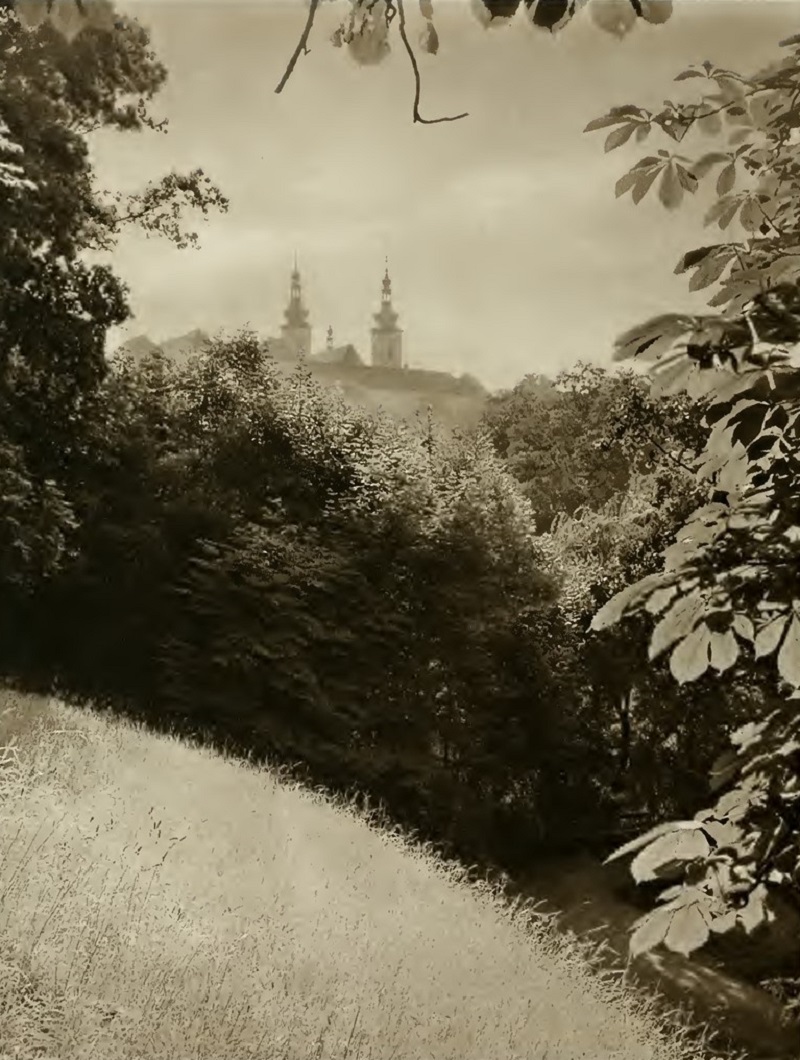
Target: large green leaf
[670,191]
[670,851]
[688,929]
[726,179]
[723,650]
[660,599]
[736,804]
[653,337]
[769,636]
[614,117]
[679,621]
[617,137]
[647,837]
[723,833]
[703,165]
[644,183]
[710,270]
[703,528]
[650,931]
[626,601]
[724,769]
[692,258]
[743,626]
[690,659]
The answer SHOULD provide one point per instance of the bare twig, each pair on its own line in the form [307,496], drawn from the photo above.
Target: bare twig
[401,25]
[665,452]
[768,220]
[754,339]
[302,45]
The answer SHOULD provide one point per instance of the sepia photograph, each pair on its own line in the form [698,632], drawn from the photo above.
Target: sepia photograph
[400,530]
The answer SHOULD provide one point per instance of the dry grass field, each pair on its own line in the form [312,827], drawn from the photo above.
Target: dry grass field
[160,901]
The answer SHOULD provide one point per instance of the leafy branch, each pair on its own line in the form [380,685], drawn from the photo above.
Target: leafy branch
[158,210]
[728,595]
[368,42]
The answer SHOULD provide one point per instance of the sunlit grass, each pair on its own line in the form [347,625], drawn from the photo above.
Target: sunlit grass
[160,901]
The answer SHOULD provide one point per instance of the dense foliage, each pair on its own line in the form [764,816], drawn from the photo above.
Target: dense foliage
[55,308]
[584,439]
[258,560]
[726,597]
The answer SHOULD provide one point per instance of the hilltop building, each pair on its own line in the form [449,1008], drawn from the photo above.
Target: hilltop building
[384,380]
[296,333]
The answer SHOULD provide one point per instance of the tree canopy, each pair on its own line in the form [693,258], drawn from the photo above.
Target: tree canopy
[55,306]
[579,441]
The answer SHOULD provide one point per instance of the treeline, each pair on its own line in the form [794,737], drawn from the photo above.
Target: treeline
[248,556]
[238,554]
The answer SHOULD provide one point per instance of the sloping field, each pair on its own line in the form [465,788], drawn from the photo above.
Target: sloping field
[159,901]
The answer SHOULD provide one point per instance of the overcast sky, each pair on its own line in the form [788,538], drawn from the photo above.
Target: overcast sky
[507,248]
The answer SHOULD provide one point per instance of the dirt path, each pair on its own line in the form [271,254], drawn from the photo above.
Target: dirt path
[586,897]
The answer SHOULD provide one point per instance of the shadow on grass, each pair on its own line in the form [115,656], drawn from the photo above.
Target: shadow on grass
[588,899]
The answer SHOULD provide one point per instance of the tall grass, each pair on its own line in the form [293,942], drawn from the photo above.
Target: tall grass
[160,901]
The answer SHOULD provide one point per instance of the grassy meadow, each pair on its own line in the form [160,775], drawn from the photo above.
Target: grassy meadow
[162,901]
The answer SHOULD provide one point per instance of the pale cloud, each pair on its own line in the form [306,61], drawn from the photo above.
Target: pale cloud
[497,188]
[508,249]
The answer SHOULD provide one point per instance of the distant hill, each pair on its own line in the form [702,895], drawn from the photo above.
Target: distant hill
[138,348]
[455,401]
[179,349]
[183,347]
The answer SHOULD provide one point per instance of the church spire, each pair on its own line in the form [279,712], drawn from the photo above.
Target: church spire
[296,327]
[387,337]
[387,286]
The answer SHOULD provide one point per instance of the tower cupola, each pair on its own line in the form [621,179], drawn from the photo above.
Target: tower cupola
[387,337]
[296,329]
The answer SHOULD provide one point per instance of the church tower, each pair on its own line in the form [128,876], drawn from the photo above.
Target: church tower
[296,330]
[387,337]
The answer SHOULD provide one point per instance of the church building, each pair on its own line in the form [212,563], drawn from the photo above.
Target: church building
[296,333]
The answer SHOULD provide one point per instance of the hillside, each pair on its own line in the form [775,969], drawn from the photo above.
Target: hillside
[169,903]
[453,401]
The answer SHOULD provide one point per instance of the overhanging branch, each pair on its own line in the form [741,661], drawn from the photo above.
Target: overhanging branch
[415,67]
[392,7]
[302,45]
